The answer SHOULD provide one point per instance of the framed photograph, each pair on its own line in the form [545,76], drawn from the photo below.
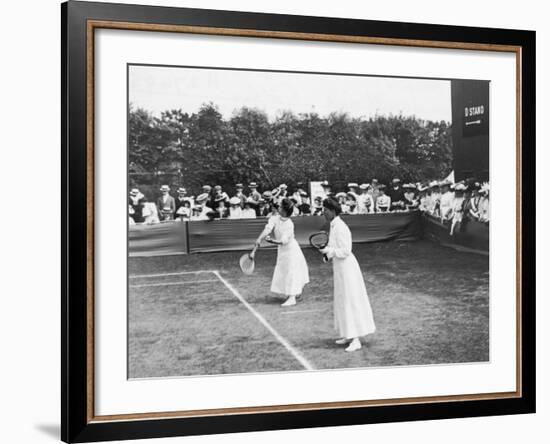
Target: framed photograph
[276,221]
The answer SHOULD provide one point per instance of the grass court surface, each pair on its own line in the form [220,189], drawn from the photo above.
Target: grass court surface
[199,315]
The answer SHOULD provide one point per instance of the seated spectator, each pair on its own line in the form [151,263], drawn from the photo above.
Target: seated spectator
[383,203]
[136,203]
[341,198]
[279,193]
[235,210]
[317,209]
[180,200]
[166,204]
[249,211]
[409,197]
[351,203]
[365,202]
[395,194]
[295,211]
[184,211]
[205,211]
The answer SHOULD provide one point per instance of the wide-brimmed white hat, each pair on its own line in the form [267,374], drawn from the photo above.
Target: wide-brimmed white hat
[352,185]
[460,187]
[364,186]
[340,194]
[202,197]
[283,186]
[182,190]
[165,188]
[134,192]
[252,185]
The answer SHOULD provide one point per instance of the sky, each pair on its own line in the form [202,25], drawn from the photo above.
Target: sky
[158,89]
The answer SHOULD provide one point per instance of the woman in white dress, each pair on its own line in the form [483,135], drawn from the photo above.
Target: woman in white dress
[352,311]
[291,272]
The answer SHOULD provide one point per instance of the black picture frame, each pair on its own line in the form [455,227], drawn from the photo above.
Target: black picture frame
[77,425]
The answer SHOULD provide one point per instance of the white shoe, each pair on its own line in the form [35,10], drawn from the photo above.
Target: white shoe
[355,345]
[342,341]
[289,302]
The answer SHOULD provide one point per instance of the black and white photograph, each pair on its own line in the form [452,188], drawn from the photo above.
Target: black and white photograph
[302,221]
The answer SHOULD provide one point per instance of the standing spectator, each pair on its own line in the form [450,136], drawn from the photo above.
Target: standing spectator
[305,205]
[166,204]
[235,210]
[447,196]
[383,203]
[484,208]
[327,190]
[457,207]
[221,211]
[249,211]
[396,195]
[435,199]
[207,189]
[267,204]
[365,203]
[136,203]
[423,198]
[472,204]
[254,194]
[239,193]
[353,189]
[220,194]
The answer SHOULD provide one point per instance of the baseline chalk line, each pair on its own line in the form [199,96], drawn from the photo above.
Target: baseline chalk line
[179,273]
[299,357]
[162,284]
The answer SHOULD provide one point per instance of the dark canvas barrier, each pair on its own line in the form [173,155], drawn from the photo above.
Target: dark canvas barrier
[157,239]
[240,234]
[472,235]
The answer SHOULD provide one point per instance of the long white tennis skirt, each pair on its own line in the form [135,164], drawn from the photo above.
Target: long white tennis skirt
[291,273]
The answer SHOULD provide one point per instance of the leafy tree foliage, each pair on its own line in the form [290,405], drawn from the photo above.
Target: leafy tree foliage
[190,150]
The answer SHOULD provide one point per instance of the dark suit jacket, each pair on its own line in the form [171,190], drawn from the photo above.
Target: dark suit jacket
[166,210]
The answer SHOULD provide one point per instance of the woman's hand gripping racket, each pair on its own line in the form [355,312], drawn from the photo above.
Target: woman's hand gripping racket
[319,241]
[246,261]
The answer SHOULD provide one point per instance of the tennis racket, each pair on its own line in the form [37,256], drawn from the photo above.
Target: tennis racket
[319,241]
[246,262]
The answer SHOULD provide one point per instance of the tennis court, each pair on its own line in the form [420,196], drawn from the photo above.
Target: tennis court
[199,315]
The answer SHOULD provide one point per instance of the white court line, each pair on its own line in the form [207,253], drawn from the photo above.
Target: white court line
[160,284]
[179,273]
[267,325]
[300,311]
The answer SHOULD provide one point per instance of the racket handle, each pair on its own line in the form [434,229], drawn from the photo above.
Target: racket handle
[253,252]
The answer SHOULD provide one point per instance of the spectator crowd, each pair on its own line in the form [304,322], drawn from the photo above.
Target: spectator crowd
[445,200]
